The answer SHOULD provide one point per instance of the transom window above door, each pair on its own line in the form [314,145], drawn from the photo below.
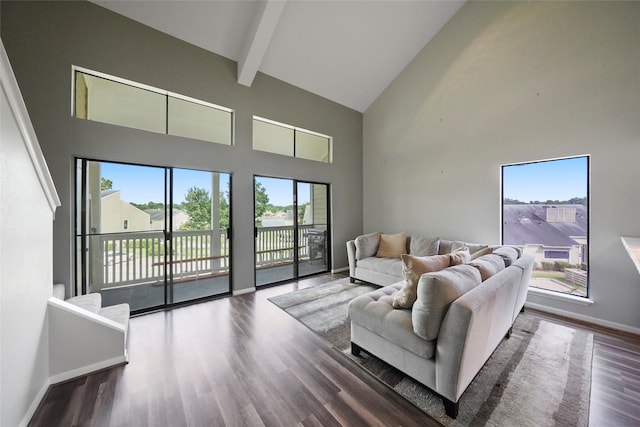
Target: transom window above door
[109,99]
[287,140]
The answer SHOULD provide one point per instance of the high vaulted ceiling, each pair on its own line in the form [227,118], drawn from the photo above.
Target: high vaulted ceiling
[346,51]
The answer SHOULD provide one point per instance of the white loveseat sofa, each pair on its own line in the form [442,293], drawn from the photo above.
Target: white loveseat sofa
[460,315]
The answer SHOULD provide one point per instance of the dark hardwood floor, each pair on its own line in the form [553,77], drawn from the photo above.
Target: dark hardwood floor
[241,361]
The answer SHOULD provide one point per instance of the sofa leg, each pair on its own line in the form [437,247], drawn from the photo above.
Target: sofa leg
[522,309]
[451,408]
[352,280]
[509,332]
[355,349]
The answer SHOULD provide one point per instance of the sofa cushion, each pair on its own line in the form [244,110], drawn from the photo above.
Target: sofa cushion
[508,254]
[374,312]
[452,246]
[488,265]
[367,245]
[460,256]
[424,246]
[390,266]
[436,292]
[392,245]
[481,252]
[413,267]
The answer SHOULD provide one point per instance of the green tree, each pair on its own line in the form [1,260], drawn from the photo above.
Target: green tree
[508,201]
[197,204]
[224,211]
[301,211]
[261,202]
[105,184]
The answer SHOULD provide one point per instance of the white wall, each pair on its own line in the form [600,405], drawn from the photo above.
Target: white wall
[508,82]
[26,217]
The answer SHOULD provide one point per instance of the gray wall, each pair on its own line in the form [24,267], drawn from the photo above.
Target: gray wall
[43,41]
[512,82]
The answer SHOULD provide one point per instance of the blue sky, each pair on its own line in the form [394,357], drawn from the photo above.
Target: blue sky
[143,184]
[549,180]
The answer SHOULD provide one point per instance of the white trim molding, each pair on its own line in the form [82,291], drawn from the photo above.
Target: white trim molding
[573,299]
[243,291]
[19,111]
[34,404]
[588,319]
[89,369]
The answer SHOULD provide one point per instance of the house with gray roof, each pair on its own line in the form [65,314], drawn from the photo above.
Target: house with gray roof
[549,232]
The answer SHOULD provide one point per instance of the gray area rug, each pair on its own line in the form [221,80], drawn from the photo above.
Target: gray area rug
[541,376]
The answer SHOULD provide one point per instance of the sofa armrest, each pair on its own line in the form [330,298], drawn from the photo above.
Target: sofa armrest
[351,256]
[472,329]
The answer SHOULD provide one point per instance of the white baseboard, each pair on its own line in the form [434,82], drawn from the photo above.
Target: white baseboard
[340,270]
[588,319]
[65,376]
[85,370]
[34,405]
[243,291]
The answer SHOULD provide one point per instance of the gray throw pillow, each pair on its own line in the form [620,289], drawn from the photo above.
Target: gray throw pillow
[424,246]
[367,245]
[508,254]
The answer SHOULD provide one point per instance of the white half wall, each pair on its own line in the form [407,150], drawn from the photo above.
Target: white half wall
[81,342]
[508,82]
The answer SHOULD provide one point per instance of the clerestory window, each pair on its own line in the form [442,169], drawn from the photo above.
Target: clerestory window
[109,99]
[283,139]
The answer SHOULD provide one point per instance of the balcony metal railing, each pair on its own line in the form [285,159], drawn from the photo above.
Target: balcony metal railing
[131,258]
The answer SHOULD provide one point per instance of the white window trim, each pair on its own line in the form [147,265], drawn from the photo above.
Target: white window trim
[299,129]
[560,296]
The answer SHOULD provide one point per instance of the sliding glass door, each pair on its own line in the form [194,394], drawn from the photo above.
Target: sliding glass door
[200,237]
[151,236]
[291,229]
[313,228]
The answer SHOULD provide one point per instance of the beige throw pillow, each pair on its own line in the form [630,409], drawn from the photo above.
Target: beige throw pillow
[460,256]
[392,245]
[413,268]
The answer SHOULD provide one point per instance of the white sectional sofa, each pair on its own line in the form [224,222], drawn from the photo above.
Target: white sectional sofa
[460,314]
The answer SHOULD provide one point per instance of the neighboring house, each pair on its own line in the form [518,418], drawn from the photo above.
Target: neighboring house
[157,219]
[549,232]
[117,216]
